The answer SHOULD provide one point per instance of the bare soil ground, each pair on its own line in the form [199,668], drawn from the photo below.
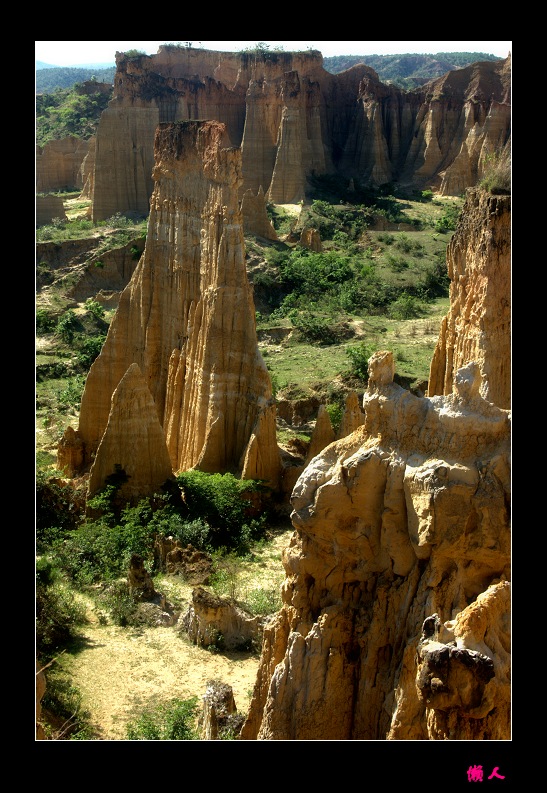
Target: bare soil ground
[120,672]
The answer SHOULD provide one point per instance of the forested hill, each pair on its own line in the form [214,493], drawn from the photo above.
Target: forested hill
[48,80]
[405,70]
[408,70]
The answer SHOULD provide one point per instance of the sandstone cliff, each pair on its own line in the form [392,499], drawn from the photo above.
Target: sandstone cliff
[395,623]
[133,441]
[396,615]
[49,207]
[478,325]
[58,164]
[187,321]
[293,119]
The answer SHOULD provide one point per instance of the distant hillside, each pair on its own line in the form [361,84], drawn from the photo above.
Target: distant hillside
[49,80]
[408,70]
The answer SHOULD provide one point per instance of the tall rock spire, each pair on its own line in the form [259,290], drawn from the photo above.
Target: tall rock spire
[187,317]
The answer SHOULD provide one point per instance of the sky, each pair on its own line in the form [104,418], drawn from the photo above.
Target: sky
[73,53]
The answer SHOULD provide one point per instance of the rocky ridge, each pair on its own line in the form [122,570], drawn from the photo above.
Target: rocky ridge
[293,119]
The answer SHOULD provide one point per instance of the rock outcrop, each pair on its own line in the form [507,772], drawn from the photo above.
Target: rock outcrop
[311,239]
[211,620]
[400,526]
[219,717]
[133,442]
[293,119]
[58,164]
[86,268]
[255,216]
[49,208]
[186,322]
[352,416]
[478,324]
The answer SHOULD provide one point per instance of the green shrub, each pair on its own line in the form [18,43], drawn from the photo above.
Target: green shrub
[223,502]
[58,511]
[314,328]
[261,602]
[89,350]
[397,263]
[64,702]
[59,615]
[435,282]
[448,220]
[120,604]
[335,411]
[68,325]
[94,308]
[171,721]
[313,274]
[134,54]
[71,394]
[45,321]
[359,355]
[100,551]
[497,174]
[406,307]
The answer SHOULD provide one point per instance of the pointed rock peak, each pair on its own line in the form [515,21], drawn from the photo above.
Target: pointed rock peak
[133,442]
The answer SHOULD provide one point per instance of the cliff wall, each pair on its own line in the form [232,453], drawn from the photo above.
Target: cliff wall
[58,164]
[396,622]
[293,119]
[478,324]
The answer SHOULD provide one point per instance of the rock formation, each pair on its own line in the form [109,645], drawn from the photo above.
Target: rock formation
[395,623]
[352,417]
[139,581]
[211,620]
[58,164]
[219,716]
[293,119]
[172,558]
[478,324]
[48,208]
[86,174]
[186,322]
[133,442]
[322,435]
[88,270]
[311,239]
[255,216]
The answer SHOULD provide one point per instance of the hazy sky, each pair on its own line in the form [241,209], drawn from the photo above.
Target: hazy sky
[72,53]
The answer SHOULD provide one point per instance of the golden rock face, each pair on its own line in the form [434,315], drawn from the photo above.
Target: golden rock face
[186,324]
[292,118]
[396,617]
[478,324]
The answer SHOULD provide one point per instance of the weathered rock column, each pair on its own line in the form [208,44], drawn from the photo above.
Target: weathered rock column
[187,317]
